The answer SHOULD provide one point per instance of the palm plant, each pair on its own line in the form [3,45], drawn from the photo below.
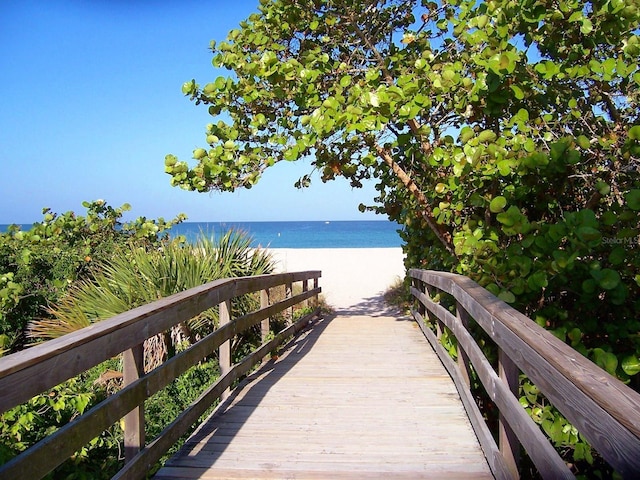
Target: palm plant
[136,276]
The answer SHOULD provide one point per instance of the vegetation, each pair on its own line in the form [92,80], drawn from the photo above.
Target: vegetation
[396,296]
[70,271]
[27,424]
[137,276]
[38,266]
[504,137]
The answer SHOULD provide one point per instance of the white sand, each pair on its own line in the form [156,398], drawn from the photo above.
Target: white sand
[351,277]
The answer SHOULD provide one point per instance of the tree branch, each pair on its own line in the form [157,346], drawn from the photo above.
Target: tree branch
[426,211]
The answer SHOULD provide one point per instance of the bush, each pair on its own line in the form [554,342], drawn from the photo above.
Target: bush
[126,271]
[38,266]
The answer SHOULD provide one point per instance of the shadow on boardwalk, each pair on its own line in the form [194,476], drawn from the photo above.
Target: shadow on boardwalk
[360,395]
[372,307]
[221,430]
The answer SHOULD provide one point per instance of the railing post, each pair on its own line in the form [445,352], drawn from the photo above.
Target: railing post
[264,325]
[224,351]
[420,286]
[463,359]
[428,290]
[305,289]
[507,439]
[288,292]
[133,369]
[316,298]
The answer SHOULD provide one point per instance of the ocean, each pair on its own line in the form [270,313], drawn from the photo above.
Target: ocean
[302,234]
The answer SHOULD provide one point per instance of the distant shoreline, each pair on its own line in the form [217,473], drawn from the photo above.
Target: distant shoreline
[28,225]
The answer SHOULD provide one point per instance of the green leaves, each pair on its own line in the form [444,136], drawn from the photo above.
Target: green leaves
[190,88]
[503,63]
[538,281]
[38,266]
[588,234]
[631,365]
[346,81]
[517,92]
[633,199]
[291,154]
[408,111]
[506,296]
[606,278]
[547,69]
[583,142]
[487,136]
[513,221]
[371,98]
[605,360]
[497,204]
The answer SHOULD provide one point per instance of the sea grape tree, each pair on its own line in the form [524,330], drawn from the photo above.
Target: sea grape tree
[503,135]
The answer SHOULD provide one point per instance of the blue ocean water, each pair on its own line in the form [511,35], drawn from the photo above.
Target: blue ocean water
[338,234]
[302,234]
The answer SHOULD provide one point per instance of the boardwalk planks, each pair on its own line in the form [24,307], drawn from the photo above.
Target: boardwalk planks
[604,410]
[354,397]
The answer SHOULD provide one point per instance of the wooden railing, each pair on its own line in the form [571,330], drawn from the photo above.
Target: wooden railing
[37,369]
[604,410]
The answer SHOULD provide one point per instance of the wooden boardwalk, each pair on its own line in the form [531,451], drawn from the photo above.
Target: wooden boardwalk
[355,397]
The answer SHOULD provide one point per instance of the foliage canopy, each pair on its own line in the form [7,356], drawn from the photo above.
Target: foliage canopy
[136,276]
[504,136]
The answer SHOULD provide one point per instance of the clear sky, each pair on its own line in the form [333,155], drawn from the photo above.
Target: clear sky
[91,104]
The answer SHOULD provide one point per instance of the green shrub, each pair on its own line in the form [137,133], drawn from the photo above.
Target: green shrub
[26,424]
[38,266]
[131,270]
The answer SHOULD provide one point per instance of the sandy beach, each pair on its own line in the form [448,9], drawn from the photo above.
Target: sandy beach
[352,278]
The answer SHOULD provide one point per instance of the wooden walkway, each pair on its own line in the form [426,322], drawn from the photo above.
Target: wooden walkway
[355,397]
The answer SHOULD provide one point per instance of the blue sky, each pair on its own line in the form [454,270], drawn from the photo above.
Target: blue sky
[91,104]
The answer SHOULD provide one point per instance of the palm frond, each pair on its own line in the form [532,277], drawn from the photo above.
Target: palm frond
[136,276]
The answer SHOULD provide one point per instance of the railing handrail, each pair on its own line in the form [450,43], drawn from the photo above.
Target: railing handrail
[28,365]
[34,370]
[602,408]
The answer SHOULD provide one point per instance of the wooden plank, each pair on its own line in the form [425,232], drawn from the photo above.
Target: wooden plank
[264,303]
[542,453]
[132,370]
[463,360]
[172,473]
[29,372]
[332,403]
[507,438]
[336,458]
[487,442]
[602,408]
[224,350]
